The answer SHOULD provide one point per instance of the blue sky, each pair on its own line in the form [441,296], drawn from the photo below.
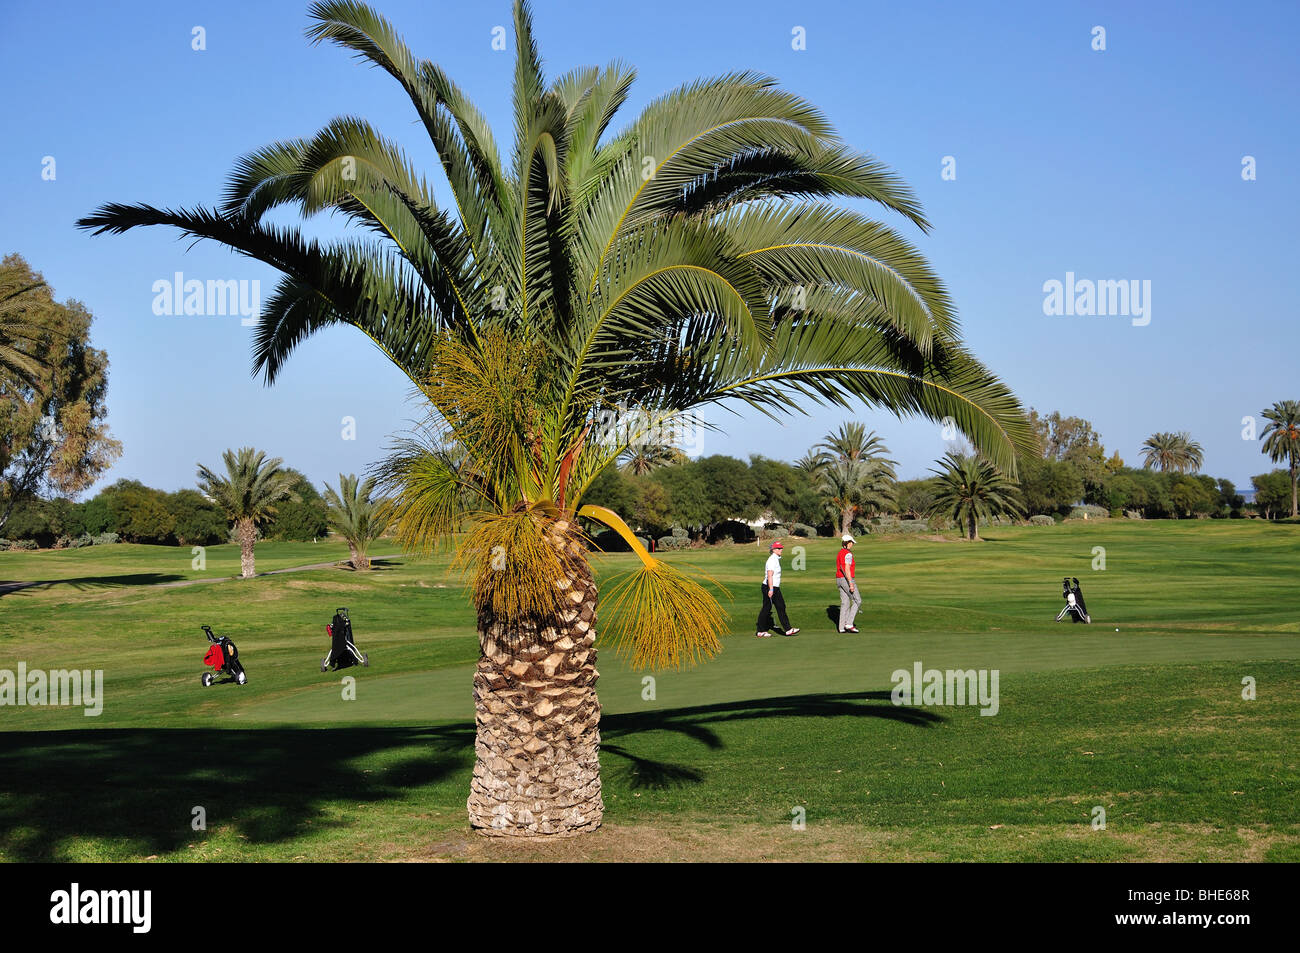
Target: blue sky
[1122,164]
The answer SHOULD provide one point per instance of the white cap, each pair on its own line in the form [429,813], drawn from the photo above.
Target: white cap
[846,538]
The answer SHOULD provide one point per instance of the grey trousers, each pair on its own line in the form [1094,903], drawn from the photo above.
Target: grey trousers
[849,603]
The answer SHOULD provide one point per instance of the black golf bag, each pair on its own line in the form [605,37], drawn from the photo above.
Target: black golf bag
[343,651]
[223,657]
[1074,604]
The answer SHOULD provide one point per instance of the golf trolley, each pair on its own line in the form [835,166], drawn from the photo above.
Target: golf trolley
[224,659]
[343,651]
[1074,605]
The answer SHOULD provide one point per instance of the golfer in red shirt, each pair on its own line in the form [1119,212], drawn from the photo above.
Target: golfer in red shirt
[850,598]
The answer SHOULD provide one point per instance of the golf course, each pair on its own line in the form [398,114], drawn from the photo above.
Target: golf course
[780,748]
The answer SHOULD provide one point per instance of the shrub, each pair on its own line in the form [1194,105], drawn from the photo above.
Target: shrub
[106,539]
[773,532]
[680,532]
[673,542]
[804,530]
[609,541]
[4,545]
[23,544]
[1089,512]
[1041,520]
[1132,514]
[733,531]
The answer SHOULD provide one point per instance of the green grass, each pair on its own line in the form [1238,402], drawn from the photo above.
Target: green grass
[1147,723]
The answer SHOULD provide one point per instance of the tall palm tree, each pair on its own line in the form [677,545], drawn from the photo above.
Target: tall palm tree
[971,488]
[1282,440]
[693,258]
[1172,453]
[856,487]
[355,516]
[853,442]
[247,493]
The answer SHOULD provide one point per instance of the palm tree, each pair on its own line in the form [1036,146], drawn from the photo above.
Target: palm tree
[1172,453]
[247,494]
[811,464]
[853,442]
[355,516]
[693,258]
[856,487]
[24,300]
[971,488]
[1282,440]
[647,455]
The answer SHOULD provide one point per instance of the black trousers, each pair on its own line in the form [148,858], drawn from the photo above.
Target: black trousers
[765,614]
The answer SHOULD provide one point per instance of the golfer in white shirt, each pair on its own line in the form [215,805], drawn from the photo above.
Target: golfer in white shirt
[771,588]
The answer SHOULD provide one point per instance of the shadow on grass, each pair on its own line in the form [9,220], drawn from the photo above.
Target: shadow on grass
[92,582]
[134,790]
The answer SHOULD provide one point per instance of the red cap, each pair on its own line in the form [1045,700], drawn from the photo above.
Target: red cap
[777,545]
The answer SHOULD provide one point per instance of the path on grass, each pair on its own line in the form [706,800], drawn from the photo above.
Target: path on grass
[8,587]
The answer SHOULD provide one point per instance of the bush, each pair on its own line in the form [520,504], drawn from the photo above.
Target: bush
[804,530]
[773,532]
[1089,512]
[732,531]
[23,544]
[1132,514]
[680,532]
[1041,520]
[106,539]
[4,545]
[609,541]
[672,542]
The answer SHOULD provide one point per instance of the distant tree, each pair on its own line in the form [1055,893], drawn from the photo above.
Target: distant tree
[785,491]
[645,455]
[1272,492]
[196,521]
[53,389]
[969,489]
[856,488]
[1192,496]
[652,507]
[139,513]
[303,516]
[356,516]
[1229,499]
[853,441]
[1049,486]
[915,497]
[1172,453]
[247,493]
[92,517]
[1282,440]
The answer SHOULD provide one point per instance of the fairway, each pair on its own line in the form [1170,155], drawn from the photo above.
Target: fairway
[1147,723]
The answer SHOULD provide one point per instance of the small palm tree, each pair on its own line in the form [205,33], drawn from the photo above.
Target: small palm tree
[355,516]
[644,456]
[1172,453]
[970,489]
[1282,440]
[247,494]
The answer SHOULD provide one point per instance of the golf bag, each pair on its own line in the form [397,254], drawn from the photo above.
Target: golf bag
[223,657]
[1074,604]
[343,651]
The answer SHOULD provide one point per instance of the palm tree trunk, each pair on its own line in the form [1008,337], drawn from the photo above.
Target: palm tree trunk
[1293,491]
[358,559]
[974,527]
[247,539]
[538,719]
[846,520]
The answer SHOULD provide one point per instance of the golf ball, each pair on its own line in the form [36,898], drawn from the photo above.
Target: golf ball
[1117,630]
